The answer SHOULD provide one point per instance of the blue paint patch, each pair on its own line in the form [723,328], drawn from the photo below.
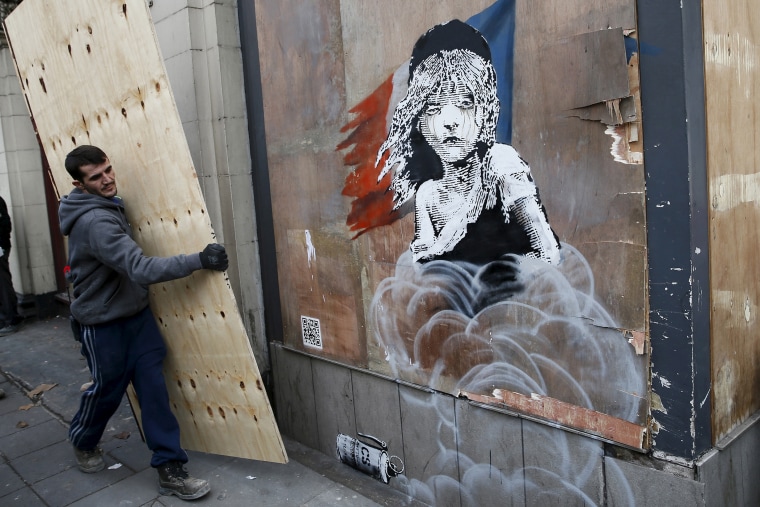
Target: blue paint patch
[497,24]
[631,47]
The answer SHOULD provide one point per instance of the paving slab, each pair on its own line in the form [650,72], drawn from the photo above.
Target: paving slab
[38,468]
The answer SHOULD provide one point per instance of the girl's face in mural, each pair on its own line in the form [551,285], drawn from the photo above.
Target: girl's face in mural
[450,123]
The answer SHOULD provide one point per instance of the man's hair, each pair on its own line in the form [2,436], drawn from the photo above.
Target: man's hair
[83,155]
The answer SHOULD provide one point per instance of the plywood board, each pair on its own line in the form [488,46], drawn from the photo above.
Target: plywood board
[732,84]
[571,55]
[92,73]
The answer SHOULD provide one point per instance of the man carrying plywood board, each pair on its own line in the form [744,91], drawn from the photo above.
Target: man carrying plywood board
[119,335]
[92,74]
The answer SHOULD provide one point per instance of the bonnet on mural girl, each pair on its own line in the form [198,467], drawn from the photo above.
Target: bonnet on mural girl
[474,199]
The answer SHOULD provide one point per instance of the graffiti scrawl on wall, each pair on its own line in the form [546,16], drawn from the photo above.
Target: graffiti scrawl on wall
[486,299]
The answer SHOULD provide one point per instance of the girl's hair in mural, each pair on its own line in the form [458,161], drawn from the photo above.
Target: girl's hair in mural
[451,53]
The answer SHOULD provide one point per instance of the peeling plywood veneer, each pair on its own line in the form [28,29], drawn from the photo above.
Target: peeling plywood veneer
[730,191]
[618,105]
[580,131]
[638,340]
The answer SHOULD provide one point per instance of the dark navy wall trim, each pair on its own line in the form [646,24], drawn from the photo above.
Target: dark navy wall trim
[262,197]
[672,87]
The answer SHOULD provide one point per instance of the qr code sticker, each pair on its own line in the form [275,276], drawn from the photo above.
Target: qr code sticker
[312,334]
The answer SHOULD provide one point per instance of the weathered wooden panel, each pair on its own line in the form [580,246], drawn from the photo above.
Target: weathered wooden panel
[732,83]
[317,59]
[595,202]
[91,73]
[333,73]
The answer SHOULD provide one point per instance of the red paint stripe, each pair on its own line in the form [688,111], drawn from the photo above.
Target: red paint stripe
[372,205]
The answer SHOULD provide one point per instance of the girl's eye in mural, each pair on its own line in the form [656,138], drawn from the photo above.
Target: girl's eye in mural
[433,109]
[467,102]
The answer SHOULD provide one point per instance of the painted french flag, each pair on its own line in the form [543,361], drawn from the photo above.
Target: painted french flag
[372,204]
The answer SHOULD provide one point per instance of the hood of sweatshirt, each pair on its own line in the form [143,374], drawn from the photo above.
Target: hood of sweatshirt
[77,203]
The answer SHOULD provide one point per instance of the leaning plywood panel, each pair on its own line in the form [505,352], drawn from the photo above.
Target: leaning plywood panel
[92,73]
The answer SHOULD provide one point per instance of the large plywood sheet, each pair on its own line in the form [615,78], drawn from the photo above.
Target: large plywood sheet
[92,73]
[732,84]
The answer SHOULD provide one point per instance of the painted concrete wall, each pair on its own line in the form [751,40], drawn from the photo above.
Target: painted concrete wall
[457,452]
[22,187]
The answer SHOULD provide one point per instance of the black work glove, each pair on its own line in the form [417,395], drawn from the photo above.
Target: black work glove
[214,257]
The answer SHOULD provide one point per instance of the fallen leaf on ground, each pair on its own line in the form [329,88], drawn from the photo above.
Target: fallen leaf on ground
[41,389]
[22,424]
[123,435]
[26,407]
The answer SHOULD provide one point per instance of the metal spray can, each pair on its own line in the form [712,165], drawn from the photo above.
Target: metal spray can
[373,461]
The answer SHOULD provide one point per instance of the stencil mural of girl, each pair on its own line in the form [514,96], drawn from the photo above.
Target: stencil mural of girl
[475,199]
[486,303]
[486,299]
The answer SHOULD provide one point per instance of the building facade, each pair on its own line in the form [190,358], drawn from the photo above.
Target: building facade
[611,362]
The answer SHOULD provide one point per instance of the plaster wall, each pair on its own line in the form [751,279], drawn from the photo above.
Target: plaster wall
[22,188]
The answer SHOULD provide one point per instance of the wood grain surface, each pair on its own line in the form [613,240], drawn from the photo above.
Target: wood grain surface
[731,39]
[92,73]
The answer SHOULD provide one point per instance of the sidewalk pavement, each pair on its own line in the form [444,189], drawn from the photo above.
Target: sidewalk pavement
[42,375]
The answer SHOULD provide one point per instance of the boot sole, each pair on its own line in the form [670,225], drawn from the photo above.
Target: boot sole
[201,492]
[92,470]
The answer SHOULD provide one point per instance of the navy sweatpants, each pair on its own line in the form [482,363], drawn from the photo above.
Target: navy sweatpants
[119,352]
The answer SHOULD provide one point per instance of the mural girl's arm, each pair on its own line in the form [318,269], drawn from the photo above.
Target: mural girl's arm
[435,232]
[510,175]
[530,214]
[423,244]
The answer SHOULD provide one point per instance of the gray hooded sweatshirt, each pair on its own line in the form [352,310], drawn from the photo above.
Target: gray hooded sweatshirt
[109,271]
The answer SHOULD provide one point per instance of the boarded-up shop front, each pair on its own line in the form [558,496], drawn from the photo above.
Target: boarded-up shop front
[490,237]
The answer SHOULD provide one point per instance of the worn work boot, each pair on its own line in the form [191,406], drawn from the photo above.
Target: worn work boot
[173,479]
[90,462]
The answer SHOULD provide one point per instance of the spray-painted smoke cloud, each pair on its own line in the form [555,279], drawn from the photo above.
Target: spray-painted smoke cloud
[519,325]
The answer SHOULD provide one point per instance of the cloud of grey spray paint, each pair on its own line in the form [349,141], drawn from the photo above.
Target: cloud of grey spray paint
[536,330]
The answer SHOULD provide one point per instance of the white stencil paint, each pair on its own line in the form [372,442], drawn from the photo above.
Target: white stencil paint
[311,252]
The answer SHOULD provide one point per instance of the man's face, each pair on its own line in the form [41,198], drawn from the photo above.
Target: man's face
[98,179]
[450,122]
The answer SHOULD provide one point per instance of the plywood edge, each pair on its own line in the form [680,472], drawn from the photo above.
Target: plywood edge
[582,419]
